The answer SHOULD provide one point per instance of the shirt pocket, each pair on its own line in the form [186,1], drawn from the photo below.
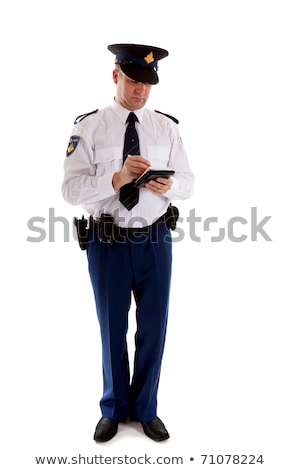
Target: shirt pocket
[108,160]
[158,156]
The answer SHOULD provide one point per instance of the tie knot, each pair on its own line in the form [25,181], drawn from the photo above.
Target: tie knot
[131,117]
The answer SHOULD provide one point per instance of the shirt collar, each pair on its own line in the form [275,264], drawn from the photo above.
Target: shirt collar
[123,113]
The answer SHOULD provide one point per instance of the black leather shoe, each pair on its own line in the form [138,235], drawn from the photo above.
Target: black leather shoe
[156,430]
[106,429]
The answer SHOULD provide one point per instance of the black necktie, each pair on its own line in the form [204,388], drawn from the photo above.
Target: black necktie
[129,194]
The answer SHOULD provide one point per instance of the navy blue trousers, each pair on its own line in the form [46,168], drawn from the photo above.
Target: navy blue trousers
[140,266]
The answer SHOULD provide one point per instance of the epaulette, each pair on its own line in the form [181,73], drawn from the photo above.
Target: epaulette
[82,116]
[168,115]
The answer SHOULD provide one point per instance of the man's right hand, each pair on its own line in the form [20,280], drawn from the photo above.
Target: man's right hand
[133,167]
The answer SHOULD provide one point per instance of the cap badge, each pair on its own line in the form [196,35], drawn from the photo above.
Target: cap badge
[149,58]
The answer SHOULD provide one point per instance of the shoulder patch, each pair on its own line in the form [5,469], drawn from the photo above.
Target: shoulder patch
[73,142]
[82,116]
[168,115]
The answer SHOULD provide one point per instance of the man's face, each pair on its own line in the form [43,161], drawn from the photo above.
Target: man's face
[129,93]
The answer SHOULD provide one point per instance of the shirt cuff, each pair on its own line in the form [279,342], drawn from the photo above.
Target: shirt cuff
[105,187]
[173,190]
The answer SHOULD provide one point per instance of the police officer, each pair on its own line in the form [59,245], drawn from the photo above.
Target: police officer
[98,171]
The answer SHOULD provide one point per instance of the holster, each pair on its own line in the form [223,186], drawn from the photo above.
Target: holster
[106,228]
[82,230]
[172,216]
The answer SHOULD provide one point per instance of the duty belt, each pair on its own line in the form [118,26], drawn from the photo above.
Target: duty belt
[111,233]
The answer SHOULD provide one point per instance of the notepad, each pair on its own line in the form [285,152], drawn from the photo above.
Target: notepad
[153,173]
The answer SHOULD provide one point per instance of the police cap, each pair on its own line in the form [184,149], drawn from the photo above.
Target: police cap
[138,61]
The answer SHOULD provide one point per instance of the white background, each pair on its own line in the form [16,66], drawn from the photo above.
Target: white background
[230,377]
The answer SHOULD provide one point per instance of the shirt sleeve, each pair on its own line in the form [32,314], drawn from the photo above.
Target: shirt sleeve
[183,179]
[81,185]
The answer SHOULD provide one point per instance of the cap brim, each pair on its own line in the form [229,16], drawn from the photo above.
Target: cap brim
[140,74]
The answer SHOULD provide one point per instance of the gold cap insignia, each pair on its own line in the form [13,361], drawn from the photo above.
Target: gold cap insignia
[149,58]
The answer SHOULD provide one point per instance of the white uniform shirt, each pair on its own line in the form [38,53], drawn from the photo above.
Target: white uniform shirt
[89,170]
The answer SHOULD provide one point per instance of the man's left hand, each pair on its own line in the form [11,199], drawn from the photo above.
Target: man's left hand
[160,185]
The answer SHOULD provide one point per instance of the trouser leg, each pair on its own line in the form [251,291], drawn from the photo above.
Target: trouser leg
[111,277]
[152,276]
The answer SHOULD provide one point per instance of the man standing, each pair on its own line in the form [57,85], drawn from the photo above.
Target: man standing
[132,254]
